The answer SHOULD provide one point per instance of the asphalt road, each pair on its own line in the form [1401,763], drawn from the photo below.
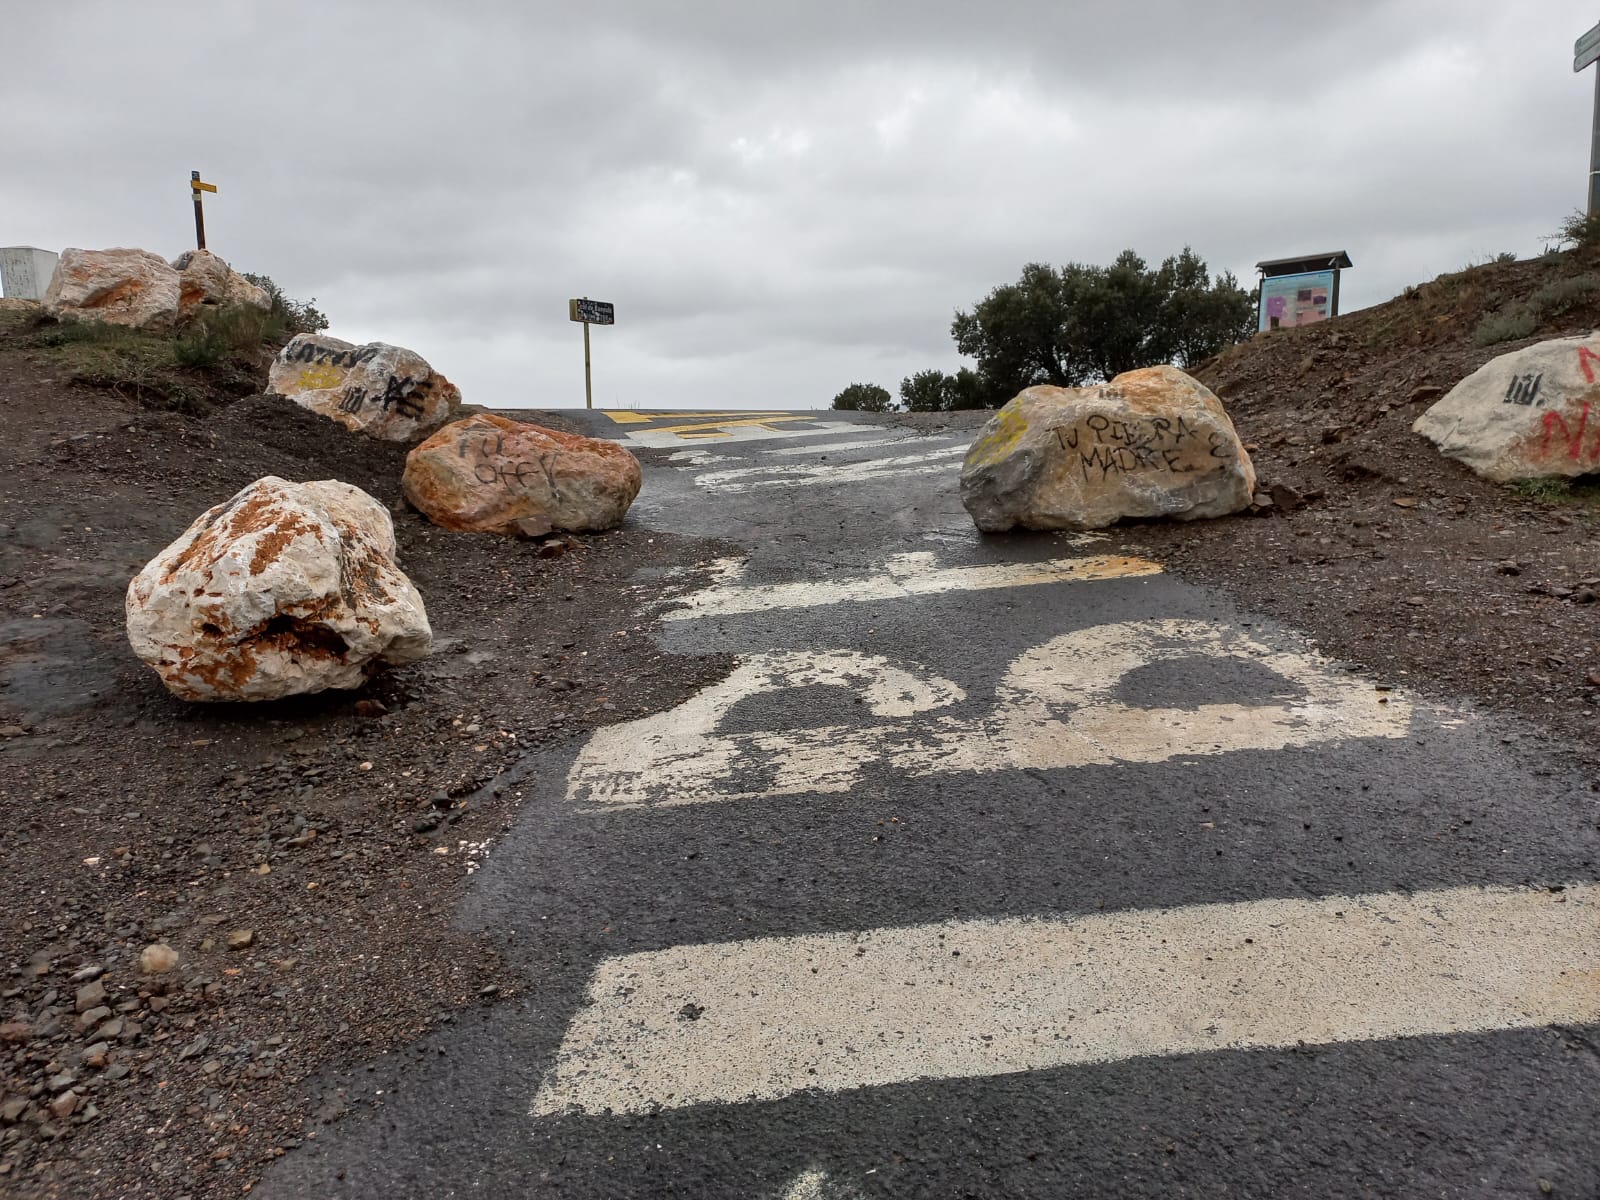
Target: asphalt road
[1000,867]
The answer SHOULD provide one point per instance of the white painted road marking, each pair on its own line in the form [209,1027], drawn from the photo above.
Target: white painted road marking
[870,443]
[1054,708]
[915,574]
[831,1012]
[738,480]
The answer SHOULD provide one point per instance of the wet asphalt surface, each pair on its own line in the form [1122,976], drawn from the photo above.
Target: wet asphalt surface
[1461,800]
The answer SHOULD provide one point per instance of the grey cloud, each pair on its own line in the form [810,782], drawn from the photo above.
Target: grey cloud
[780,198]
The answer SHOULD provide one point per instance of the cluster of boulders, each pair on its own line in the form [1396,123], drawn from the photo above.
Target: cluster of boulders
[290,588]
[1157,443]
[143,290]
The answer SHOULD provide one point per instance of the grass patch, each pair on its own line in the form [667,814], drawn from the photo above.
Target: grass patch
[226,333]
[222,355]
[1548,490]
[1561,296]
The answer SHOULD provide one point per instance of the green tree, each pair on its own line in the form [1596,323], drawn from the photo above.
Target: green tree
[1080,323]
[934,391]
[864,397]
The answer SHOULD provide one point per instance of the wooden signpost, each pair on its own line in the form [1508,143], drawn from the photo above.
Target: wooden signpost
[590,312]
[197,188]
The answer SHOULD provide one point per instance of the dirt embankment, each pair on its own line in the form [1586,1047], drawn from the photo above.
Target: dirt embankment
[302,857]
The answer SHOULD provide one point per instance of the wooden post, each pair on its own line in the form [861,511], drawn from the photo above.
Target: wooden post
[588,383]
[199,212]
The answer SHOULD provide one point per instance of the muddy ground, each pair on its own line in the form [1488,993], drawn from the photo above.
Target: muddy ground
[336,844]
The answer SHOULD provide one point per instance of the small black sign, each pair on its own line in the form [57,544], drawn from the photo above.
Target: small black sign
[593,312]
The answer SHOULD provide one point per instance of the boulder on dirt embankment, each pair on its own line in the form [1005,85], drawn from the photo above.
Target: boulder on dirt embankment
[1531,414]
[119,286]
[488,474]
[285,589]
[384,391]
[1151,443]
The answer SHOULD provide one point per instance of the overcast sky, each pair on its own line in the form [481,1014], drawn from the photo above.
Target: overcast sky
[780,198]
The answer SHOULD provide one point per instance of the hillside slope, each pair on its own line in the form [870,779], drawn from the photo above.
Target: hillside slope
[1390,554]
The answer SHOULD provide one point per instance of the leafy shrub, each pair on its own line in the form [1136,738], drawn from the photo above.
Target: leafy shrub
[298,316]
[1580,229]
[1510,323]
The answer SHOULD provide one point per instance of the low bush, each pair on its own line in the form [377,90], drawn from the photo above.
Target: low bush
[1510,323]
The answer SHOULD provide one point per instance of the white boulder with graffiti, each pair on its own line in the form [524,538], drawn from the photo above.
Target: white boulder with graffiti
[287,588]
[1151,443]
[1531,414]
[384,391]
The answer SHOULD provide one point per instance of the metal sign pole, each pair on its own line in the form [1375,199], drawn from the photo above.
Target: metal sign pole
[1585,53]
[588,383]
[1594,151]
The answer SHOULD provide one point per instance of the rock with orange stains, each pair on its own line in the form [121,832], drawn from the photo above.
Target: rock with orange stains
[1151,443]
[487,474]
[206,282]
[384,391]
[121,287]
[285,589]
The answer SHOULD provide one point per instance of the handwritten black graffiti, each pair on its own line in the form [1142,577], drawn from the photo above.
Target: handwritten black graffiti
[1117,446]
[404,396]
[1524,390]
[486,451]
[313,352]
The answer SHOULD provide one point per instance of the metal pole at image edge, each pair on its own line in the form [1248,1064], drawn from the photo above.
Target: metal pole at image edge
[588,385]
[1594,152]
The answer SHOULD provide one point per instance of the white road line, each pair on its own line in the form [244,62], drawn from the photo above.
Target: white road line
[832,447]
[914,574]
[962,999]
[1056,707]
[744,479]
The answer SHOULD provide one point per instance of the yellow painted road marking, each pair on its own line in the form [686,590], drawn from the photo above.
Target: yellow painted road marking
[628,416]
[965,999]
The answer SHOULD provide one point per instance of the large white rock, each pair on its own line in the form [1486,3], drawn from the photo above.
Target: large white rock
[205,281]
[287,588]
[1151,443]
[1530,414]
[382,390]
[120,286]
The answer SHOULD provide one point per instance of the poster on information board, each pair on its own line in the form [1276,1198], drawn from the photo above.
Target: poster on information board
[1288,300]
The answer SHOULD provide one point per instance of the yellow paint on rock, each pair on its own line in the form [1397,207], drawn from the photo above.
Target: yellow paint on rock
[321,376]
[1008,426]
